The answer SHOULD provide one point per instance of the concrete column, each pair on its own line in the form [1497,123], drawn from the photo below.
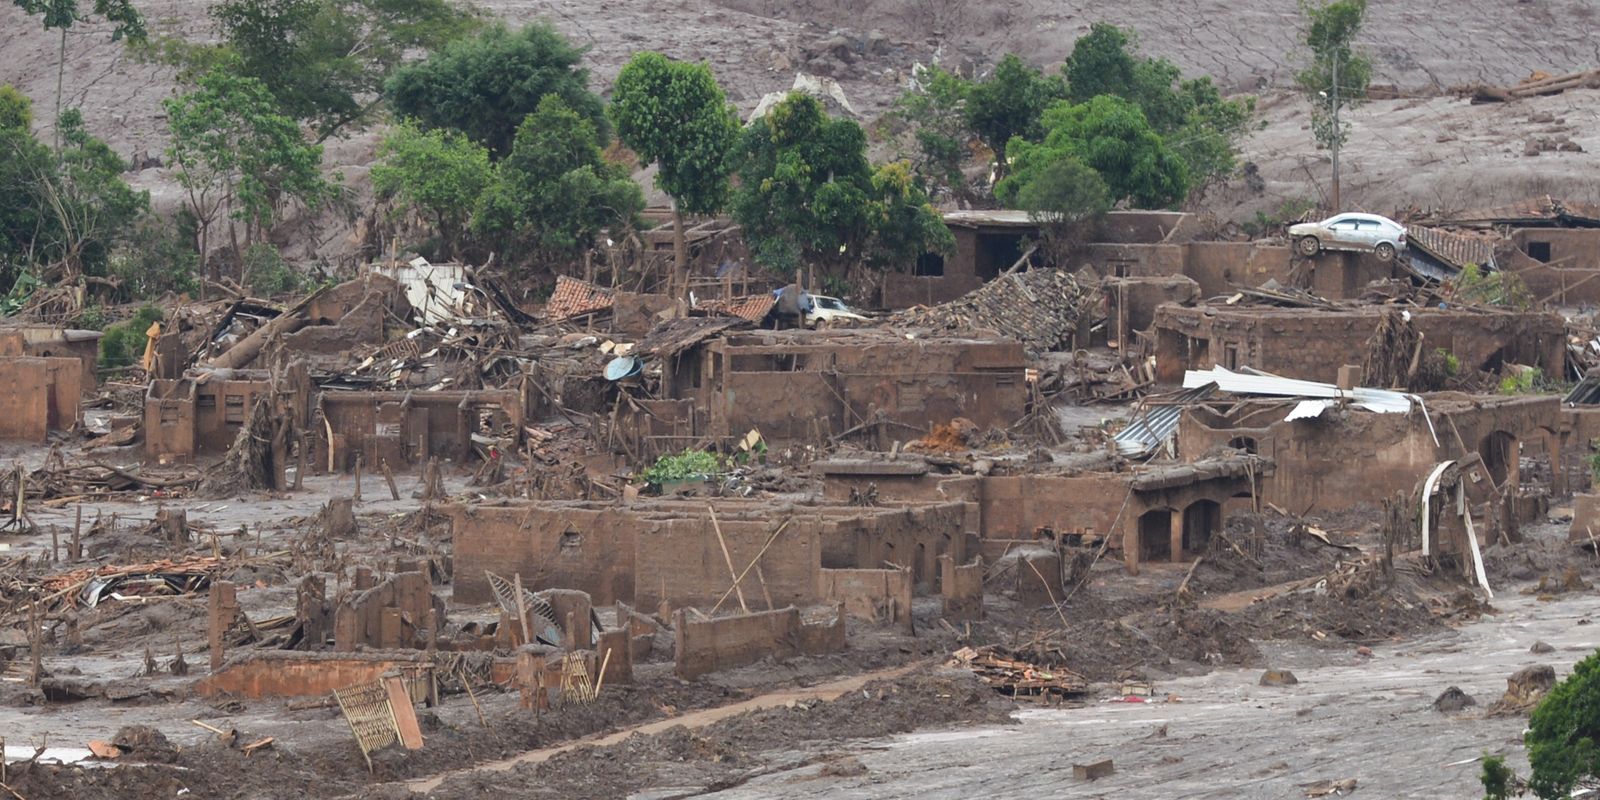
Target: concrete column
[1177,536]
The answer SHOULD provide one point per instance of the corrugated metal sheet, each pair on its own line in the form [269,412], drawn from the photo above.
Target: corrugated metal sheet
[1454,249]
[1381,401]
[1152,427]
[573,297]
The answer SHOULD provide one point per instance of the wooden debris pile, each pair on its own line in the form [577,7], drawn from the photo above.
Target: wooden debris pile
[1040,308]
[1015,678]
[1538,84]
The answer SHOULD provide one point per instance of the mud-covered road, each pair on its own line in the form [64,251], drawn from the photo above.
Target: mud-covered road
[1369,719]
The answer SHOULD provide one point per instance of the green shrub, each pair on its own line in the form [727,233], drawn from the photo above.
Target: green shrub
[688,465]
[123,344]
[1527,381]
[1498,781]
[157,259]
[267,273]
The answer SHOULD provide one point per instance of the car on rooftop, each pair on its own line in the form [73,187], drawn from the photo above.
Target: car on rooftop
[1362,233]
[826,310]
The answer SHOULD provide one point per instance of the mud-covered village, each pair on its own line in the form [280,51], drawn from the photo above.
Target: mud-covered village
[745,399]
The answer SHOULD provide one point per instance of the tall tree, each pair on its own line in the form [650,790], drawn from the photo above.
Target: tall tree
[807,195]
[1009,104]
[236,153]
[674,114]
[439,173]
[1337,72]
[484,85]
[1198,123]
[125,20]
[554,192]
[1111,136]
[325,61]
[934,109]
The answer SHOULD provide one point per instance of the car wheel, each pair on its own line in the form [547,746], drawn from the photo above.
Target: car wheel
[1384,251]
[1309,246]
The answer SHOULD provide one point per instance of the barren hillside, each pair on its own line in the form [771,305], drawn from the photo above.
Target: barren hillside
[1423,151]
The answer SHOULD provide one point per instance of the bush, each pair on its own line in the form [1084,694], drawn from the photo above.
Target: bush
[267,273]
[123,344]
[1525,381]
[687,465]
[158,259]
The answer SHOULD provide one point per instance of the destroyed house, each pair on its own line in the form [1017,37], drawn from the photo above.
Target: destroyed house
[1552,245]
[1161,514]
[1311,344]
[39,395]
[44,341]
[409,428]
[201,413]
[806,386]
[677,553]
[1346,456]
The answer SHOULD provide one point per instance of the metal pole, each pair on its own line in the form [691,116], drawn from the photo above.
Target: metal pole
[1338,134]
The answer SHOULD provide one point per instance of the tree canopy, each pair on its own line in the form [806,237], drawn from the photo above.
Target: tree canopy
[1009,104]
[485,85]
[439,173]
[674,114]
[554,192]
[126,21]
[235,152]
[325,61]
[1201,126]
[935,111]
[808,196]
[1329,36]
[1111,136]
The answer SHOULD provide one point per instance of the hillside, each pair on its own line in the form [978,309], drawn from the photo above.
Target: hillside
[1431,150]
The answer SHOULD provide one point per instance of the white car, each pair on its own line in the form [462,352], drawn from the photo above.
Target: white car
[1365,233]
[825,310]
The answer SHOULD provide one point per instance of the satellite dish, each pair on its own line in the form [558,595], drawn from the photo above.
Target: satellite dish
[622,367]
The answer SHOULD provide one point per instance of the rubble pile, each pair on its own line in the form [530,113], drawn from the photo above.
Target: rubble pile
[1040,308]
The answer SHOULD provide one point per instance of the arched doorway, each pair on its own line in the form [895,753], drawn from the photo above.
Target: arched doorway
[1155,535]
[1200,520]
[1499,451]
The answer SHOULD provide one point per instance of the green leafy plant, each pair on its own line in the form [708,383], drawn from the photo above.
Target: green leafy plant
[1594,467]
[1452,365]
[684,466]
[1499,782]
[123,343]
[484,85]
[266,271]
[1110,136]
[1524,381]
[439,173]
[1475,285]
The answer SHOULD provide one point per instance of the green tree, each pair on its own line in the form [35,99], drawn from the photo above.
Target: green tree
[91,207]
[1100,64]
[807,195]
[236,153]
[1009,105]
[1563,737]
[1198,123]
[1060,198]
[904,224]
[804,186]
[126,22]
[439,173]
[934,109]
[483,86]
[61,214]
[325,61]
[1336,73]
[673,114]
[1111,136]
[555,192]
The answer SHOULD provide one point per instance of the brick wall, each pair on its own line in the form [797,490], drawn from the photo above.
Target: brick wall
[879,595]
[707,646]
[962,589]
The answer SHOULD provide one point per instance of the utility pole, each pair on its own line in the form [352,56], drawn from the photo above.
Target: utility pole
[1338,133]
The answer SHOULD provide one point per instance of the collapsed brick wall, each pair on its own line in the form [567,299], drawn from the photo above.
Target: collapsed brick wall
[878,595]
[961,589]
[283,673]
[704,647]
[38,395]
[1312,345]
[393,614]
[670,552]
[408,428]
